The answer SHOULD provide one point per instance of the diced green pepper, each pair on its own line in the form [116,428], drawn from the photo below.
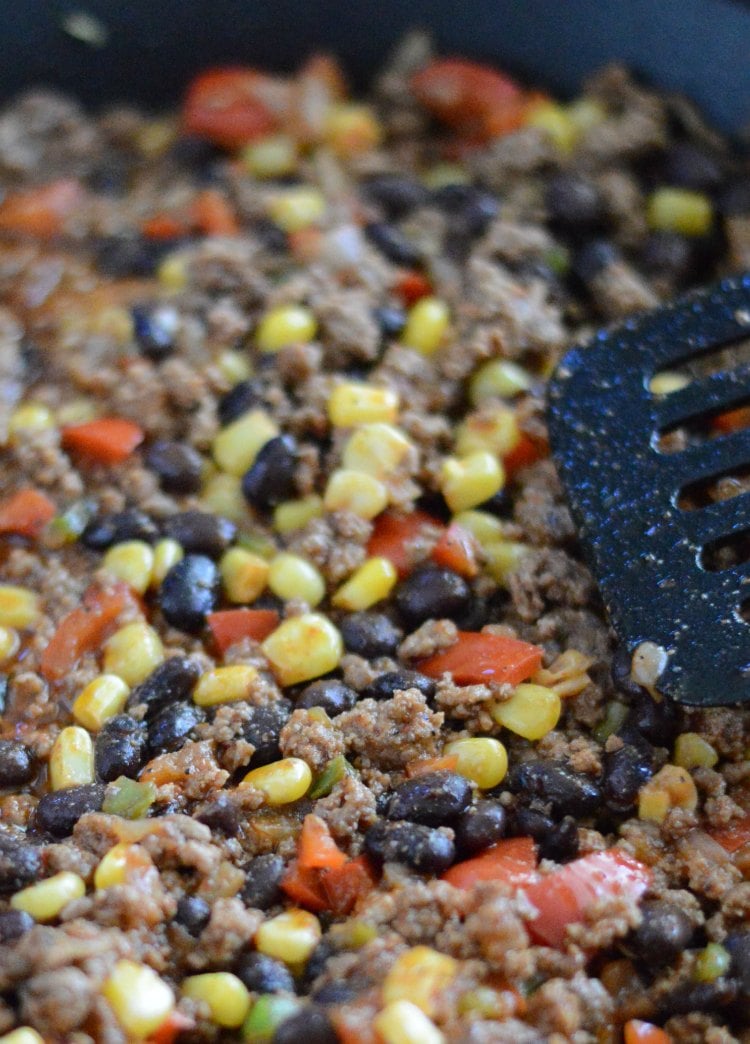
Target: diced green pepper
[332,774]
[128,798]
[268,1012]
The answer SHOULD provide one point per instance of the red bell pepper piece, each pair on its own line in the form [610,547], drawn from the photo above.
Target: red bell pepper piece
[84,629]
[108,440]
[164,226]
[474,99]
[212,214]
[637,1032]
[392,533]
[445,763]
[174,1024]
[477,657]
[230,106]
[316,849]
[232,625]
[40,211]
[734,836]
[456,550]
[512,861]
[411,286]
[304,887]
[526,451]
[344,886]
[26,513]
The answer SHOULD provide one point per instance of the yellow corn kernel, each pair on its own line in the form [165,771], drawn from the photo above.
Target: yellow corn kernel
[586,113]
[355,491]
[115,866]
[234,366]
[504,557]
[30,416]
[77,411]
[133,652]
[404,1023]
[294,514]
[531,712]
[352,403]
[285,325]
[236,446]
[420,975]
[692,751]
[243,574]
[371,583]
[172,272]
[282,782]
[484,527]
[100,700]
[155,137]
[22,1035]
[19,607]
[226,997]
[303,647]
[290,937]
[671,787]
[222,494]
[566,675]
[498,377]
[131,561]
[46,899]
[270,157]
[426,325]
[114,322]
[10,643]
[471,480]
[667,382]
[555,120]
[297,208]
[446,174]
[139,998]
[167,553]
[496,432]
[679,210]
[480,759]
[291,576]
[377,449]
[71,760]
[225,684]
[351,128]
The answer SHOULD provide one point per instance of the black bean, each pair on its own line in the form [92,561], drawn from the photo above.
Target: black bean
[625,772]
[369,635]
[501,504]
[574,203]
[270,478]
[193,913]
[664,932]
[172,726]
[271,236]
[14,924]
[396,194]
[340,992]
[432,593]
[471,208]
[122,256]
[155,329]
[592,259]
[561,842]
[111,176]
[310,1024]
[393,244]
[480,826]
[738,946]
[734,198]
[263,727]
[17,764]
[263,974]
[239,400]
[330,694]
[200,532]
[433,799]
[390,320]
[105,530]
[318,960]
[20,863]
[221,815]
[697,996]
[667,253]
[423,848]
[120,748]
[177,465]
[262,880]
[4,685]
[565,791]
[658,722]
[691,167]
[172,680]
[384,686]
[59,811]
[189,592]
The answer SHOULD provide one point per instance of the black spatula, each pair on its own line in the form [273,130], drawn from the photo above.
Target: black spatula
[670,597]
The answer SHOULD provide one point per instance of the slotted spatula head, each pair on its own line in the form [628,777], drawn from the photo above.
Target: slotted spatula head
[650,553]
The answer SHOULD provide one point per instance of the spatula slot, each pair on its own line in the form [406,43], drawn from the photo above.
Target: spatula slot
[726,553]
[709,405]
[717,488]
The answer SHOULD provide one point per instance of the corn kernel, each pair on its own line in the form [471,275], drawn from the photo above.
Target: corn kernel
[225,684]
[294,514]
[30,416]
[712,962]
[666,382]
[471,480]
[404,1023]
[155,137]
[446,174]
[114,322]
[243,574]
[100,700]
[290,937]
[222,494]
[71,760]
[291,576]
[497,432]
[10,643]
[426,325]
[586,113]
[270,157]
[46,899]
[303,647]
[226,997]
[484,527]
[172,272]
[133,652]
[19,607]
[377,449]
[77,411]
[371,583]
[679,210]
[115,866]
[234,366]
[282,782]
[532,711]
[480,759]
[131,561]
[692,751]
[139,998]
[285,325]
[556,121]
[504,557]
[236,446]
[22,1035]
[352,128]
[297,208]
[498,377]
[567,674]
[671,787]
[351,404]
[355,491]
[167,553]
[420,975]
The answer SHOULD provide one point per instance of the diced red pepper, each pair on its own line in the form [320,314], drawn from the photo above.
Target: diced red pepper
[316,849]
[305,244]
[512,861]
[84,629]
[344,886]
[26,513]
[304,887]
[174,1024]
[40,211]
[474,99]
[637,1032]
[230,106]
[212,214]
[108,440]
[164,226]
[445,763]
[232,625]
[734,836]
[411,286]
[478,658]
[456,550]
[392,533]
[525,452]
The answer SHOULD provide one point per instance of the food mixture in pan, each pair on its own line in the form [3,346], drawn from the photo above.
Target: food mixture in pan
[313,728]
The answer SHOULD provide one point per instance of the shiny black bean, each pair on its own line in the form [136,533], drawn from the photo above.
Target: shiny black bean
[691,167]
[734,198]
[384,686]
[263,727]
[433,799]
[396,194]
[270,478]
[172,680]
[262,881]
[393,244]
[177,465]
[625,772]
[369,635]
[592,259]
[738,946]
[558,841]
[200,532]
[123,256]
[271,236]
[155,329]
[172,726]
[425,849]
[664,932]
[221,815]
[105,530]
[574,203]
[239,400]
[59,811]
[566,792]
[659,722]
[189,592]
[697,996]
[481,825]
[120,748]
[390,320]
[17,764]
[193,153]
[111,176]
[338,992]
[14,924]
[316,964]
[20,863]
[620,668]
[4,684]
[193,913]
[310,1024]
[470,209]
[263,974]
[432,593]
[330,694]
[667,253]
